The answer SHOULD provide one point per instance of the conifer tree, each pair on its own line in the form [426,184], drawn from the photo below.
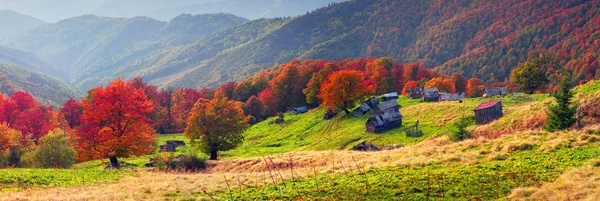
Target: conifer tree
[561,115]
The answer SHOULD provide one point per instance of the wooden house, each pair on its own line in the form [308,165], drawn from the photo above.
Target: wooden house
[431,95]
[498,91]
[390,96]
[385,106]
[414,93]
[299,110]
[385,121]
[452,97]
[361,110]
[373,102]
[488,112]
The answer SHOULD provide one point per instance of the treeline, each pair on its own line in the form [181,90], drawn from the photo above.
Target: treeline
[120,120]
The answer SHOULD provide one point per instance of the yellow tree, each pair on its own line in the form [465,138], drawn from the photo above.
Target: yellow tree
[216,125]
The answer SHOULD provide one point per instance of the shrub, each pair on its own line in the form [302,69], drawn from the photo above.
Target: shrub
[460,131]
[188,162]
[53,152]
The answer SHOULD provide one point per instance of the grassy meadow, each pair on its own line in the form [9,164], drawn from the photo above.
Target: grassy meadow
[307,157]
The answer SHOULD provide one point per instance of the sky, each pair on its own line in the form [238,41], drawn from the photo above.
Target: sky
[55,10]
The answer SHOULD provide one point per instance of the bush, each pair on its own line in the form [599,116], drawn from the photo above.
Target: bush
[460,131]
[188,162]
[53,152]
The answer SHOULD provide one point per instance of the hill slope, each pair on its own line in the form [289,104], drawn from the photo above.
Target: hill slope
[14,23]
[483,39]
[46,89]
[90,46]
[29,61]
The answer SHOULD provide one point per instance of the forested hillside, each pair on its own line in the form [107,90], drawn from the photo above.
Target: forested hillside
[46,89]
[28,60]
[484,39]
[89,47]
[451,36]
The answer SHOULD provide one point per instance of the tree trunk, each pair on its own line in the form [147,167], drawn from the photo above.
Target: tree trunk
[114,162]
[213,155]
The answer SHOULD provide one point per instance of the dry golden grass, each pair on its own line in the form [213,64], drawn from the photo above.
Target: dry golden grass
[579,184]
[150,185]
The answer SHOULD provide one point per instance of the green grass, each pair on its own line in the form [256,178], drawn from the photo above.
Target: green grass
[588,89]
[310,132]
[484,180]
[138,161]
[18,179]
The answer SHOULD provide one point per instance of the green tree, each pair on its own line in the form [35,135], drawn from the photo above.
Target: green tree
[528,77]
[561,115]
[53,152]
[216,125]
[460,132]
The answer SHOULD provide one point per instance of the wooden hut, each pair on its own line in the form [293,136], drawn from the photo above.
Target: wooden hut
[299,110]
[488,112]
[384,121]
[452,97]
[373,102]
[390,96]
[431,95]
[498,91]
[414,93]
[385,106]
[361,110]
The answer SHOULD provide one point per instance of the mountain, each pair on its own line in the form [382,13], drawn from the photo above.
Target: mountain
[53,11]
[28,60]
[484,39]
[14,23]
[45,88]
[248,9]
[90,46]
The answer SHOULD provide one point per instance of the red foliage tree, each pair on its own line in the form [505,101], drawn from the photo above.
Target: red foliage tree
[475,88]
[268,101]
[460,82]
[114,124]
[23,100]
[409,85]
[36,123]
[398,76]
[72,111]
[442,84]
[227,89]
[183,102]
[344,88]
[255,108]
[9,111]
[287,89]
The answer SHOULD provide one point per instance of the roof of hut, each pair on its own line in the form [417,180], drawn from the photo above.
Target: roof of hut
[487,105]
[386,117]
[388,105]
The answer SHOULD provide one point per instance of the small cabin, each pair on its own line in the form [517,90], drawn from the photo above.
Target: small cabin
[330,114]
[385,106]
[452,97]
[362,110]
[431,95]
[373,102]
[385,121]
[488,112]
[498,91]
[299,110]
[414,93]
[390,96]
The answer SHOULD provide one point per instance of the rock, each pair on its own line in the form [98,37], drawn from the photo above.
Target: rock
[363,146]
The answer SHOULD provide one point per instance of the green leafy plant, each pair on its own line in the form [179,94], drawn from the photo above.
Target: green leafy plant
[460,132]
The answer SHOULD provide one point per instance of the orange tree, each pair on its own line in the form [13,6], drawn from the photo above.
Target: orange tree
[343,89]
[114,123]
[216,125]
[7,137]
[443,84]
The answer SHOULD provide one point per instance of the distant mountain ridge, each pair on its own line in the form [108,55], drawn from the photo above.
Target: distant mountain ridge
[14,23]
[89,47]
[46,89]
